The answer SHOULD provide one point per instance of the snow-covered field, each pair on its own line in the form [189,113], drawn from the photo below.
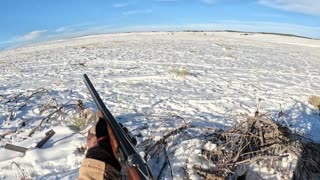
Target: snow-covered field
[158,81]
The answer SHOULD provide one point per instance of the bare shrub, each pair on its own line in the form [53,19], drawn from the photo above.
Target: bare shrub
[265,141]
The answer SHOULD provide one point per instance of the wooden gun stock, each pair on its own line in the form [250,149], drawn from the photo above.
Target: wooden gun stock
[133,173]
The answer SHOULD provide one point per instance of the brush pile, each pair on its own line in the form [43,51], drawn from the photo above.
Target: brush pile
[260,142]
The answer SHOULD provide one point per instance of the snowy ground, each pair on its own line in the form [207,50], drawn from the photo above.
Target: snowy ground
[136,74]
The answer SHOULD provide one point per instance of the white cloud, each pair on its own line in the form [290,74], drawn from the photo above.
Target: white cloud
[63,29]
[77,32]
[120,5]
[311,7]
[74,27]
[134,12]
[28,38]
[31,35]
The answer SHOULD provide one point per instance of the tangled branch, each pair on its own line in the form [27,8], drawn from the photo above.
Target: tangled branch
[257,139]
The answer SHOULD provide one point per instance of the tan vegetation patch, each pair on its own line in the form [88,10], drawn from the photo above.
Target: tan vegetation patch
[77,123]
[180,72]
[315,101]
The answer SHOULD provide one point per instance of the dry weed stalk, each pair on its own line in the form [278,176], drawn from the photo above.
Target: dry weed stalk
[80,107]
[57,110]
[21,173]
[23,97]
[33,93]
[155,145]
[166,163]
[47,118]
[157,150]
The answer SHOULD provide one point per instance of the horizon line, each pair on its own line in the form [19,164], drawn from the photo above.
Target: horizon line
[137,31]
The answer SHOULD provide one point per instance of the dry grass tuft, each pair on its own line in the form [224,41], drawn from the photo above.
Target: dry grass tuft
[179,72]
[315,101]
[77,123]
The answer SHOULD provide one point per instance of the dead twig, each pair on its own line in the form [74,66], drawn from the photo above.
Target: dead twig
[162,140]
[168,160]
[47,118]
[162,169]
[21,172]
[38,91]
[7,133]
[44,119]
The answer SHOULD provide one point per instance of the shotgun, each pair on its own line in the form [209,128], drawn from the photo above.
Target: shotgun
[132,164]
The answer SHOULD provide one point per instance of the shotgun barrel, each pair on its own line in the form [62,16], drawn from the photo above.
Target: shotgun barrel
[133,166]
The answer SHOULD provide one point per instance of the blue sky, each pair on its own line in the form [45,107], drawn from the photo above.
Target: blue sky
[29,21]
